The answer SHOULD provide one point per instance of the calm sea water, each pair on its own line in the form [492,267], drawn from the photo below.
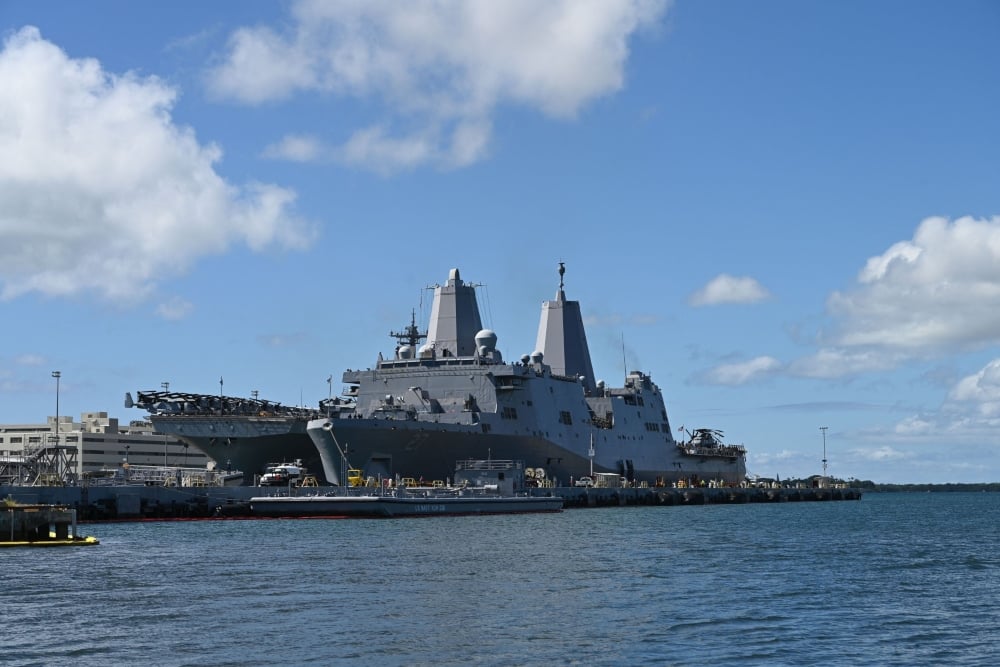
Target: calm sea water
[893,579]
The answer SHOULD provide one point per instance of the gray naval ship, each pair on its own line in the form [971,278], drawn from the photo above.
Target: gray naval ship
[454,397]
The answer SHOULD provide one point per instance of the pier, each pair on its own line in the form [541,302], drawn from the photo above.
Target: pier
[134,502]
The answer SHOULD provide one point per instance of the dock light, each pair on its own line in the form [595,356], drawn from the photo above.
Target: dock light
[57,375]
[823,428]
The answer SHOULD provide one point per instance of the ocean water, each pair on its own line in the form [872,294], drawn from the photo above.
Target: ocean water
[892,579]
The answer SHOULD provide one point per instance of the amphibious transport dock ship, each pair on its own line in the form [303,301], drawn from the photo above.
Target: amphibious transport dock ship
[454,397]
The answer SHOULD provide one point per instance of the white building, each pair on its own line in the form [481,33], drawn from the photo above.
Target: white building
[100,443]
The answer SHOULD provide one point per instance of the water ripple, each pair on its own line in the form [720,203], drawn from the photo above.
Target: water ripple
[890,580]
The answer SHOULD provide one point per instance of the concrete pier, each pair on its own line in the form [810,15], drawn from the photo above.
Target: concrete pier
[610,497]
[133,502]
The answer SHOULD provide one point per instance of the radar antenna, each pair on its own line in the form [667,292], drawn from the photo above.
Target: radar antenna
[410,335]
[562,272]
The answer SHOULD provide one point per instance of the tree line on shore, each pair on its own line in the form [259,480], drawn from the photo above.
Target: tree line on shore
[869,485]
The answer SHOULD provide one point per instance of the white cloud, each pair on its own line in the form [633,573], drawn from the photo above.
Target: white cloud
[980,391]
[175,309]
[725,288]
[101,192]
[836,363]
[296,148]
[937,291]
[743,372]
[442,67]
[282,339]
[29,360]
[884,453]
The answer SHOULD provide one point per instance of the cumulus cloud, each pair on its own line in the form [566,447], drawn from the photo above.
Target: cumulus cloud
[101,192]
[725,288]
[980,391]
[743,372]
[939,290]
[440,68]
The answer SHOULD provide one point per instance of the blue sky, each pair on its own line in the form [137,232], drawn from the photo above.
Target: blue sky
[787,212]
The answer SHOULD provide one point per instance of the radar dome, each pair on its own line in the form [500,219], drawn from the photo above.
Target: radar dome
[536,357]
[426,351]
[486,338]
[405,352]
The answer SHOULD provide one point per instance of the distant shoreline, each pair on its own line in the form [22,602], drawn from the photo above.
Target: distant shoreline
[903,488]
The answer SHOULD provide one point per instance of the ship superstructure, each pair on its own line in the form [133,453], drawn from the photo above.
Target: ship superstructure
[455,397]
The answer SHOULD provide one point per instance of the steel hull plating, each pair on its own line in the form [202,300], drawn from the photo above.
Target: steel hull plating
[245,443]
[418,449]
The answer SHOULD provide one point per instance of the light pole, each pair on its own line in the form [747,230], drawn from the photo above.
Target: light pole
[166,387]
[57,375]
[823,428]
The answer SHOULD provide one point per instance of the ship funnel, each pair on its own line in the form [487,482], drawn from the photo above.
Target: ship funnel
[562,339]
[455,318]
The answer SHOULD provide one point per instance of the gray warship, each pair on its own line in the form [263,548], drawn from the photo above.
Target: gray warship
[454,397]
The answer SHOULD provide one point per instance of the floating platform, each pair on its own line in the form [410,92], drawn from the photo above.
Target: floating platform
[36,525]
[391,506]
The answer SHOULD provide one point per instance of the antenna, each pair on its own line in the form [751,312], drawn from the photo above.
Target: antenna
[624,363]
[410,335]
[823,428]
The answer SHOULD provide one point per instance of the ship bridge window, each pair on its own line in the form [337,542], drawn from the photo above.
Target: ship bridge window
[629,399]
[641,402]
[565,418]
[508,413]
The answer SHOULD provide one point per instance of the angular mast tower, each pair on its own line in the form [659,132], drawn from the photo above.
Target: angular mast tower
[454,318]
[562,339]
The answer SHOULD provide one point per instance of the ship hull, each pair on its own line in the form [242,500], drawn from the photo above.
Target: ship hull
[417,449]
[247,444]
